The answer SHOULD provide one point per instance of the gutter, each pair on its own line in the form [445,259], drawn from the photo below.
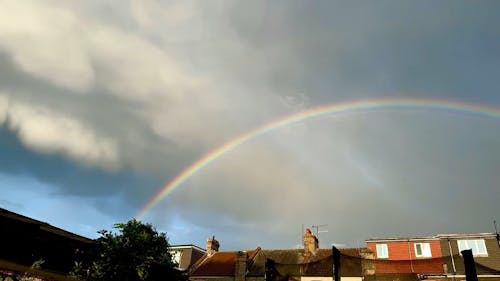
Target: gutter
[425,276]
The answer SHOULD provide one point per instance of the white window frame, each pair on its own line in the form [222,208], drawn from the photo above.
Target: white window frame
[382,251]
[478,247]
[425,249]
[176,257]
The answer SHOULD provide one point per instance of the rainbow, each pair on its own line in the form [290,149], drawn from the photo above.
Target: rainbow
[333,109]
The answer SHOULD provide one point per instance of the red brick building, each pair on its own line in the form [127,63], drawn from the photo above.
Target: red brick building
[435,258]
[421,255]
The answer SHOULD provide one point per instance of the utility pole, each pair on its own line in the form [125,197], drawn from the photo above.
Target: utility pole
[301,237]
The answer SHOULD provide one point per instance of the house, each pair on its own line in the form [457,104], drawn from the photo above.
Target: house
[435,257]
[485,250]
[24,241]
[186,255]
[306,264]
[413,255]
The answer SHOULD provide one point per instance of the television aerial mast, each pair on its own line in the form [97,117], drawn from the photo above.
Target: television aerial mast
[496,232]
[317,227]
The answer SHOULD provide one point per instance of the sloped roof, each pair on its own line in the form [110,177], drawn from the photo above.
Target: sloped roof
[293,262]
[296,262]
[186,246]
[435,237]
[43,226]
[288,262]
[219,264]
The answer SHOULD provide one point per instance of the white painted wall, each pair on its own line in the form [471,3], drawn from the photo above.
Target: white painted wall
[330,279]
[316,279]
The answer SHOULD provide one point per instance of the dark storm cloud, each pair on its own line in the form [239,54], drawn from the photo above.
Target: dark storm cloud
[344,49]
[139,91]
[426,176]
[69,178]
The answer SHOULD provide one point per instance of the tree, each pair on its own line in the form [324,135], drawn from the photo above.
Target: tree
[137,253]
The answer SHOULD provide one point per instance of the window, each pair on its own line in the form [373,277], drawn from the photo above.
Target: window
[477,246]
[176,257]
[423,250]
[382,252]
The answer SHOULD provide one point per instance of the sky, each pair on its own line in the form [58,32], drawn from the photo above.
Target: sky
[102,103]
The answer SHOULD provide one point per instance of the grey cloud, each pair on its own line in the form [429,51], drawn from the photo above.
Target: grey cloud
[4,104]
[168,82]
[351,49]
[30,32]
[42,130]
[426,183]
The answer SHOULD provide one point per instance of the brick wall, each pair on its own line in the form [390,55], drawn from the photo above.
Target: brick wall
[402,258]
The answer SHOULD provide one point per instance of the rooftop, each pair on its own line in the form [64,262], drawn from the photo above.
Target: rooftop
[292,261]
[43,226]
[173,247]
[436,237]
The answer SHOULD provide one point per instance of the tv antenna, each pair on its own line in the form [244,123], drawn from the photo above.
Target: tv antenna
[317,227]
[496,232]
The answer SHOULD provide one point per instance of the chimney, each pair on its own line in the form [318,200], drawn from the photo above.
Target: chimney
[367,261]
[310,242]
[241,266]
[212,246]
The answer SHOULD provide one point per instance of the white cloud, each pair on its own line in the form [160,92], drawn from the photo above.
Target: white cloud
[175,18]
[45,41]
[131,67]
[4,104]
[55,43]
[44,130]
[83,54]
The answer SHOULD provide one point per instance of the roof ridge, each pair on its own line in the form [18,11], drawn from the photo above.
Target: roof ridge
[198,263]
[44,225]
[254,254]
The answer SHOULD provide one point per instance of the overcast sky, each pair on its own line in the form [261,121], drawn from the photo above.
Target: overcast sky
[102,103]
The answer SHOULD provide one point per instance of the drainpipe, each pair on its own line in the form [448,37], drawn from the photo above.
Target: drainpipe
[452,260]
[409,254]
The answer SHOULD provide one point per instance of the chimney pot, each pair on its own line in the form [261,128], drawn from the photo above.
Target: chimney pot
[212,245]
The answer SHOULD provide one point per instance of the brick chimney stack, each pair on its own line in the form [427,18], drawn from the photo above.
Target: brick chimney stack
[310,242]
[212,246]
[367,262]
[240,271]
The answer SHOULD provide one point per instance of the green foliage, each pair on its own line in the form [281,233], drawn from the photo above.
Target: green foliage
[78,270]
[137,253]
[28,275]
[37,264]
